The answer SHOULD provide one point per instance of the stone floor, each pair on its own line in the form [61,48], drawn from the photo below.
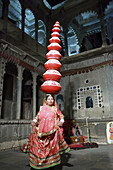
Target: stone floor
[100,158]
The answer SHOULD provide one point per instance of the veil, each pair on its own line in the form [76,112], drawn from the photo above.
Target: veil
[55,103]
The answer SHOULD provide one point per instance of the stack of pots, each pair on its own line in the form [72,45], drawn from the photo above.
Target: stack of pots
[52,66]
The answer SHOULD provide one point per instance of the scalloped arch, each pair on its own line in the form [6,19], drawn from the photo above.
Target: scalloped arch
[108,7]
[13,65]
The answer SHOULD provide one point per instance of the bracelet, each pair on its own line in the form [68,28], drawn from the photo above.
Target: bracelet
[35,120]
[62,120]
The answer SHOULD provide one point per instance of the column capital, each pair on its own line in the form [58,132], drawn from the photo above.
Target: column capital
[34,74]
[20,68]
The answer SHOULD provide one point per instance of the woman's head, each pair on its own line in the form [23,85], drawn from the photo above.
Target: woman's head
[50,99]
[111,125]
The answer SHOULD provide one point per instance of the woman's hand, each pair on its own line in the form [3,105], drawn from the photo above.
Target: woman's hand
[33,123]
[60,123]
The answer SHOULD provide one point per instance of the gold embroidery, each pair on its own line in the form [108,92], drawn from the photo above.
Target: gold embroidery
[55,117]
[47,133]
[35,145]
[47,149]
[39,151]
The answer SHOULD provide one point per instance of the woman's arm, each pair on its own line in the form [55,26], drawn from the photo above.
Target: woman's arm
[35,120]
[61,117]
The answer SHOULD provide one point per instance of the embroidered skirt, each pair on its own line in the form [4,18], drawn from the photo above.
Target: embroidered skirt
[45,152]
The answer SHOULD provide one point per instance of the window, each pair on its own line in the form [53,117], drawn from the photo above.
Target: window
[29,23]
[14,13]
[83,97]
[73,46]
[89,102]
[41,33]
[60,102]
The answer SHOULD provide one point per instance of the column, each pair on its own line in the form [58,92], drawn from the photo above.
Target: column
[36,32]
[48,32]
[19,91]
[104,42]
[65,40]
[5,15]
[34,93]
[23,22]
[101,17]
[2,72]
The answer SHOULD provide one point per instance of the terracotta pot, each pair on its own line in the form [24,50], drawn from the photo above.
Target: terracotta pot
[55,34]
[54,40]
[54,46]
[51,86]
[56,25]
[52,75]
[53,54]
[56,29]
[57,22]
[52,64]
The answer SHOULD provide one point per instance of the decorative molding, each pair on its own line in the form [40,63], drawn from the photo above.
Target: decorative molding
[86,69]
[2,122]
[17,61]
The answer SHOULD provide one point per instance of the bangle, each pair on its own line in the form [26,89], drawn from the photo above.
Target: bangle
[35,120]
[62,120]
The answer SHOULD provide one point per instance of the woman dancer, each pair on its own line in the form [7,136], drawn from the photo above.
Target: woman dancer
[46,141]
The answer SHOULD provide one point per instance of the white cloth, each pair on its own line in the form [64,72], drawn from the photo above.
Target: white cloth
[62,120]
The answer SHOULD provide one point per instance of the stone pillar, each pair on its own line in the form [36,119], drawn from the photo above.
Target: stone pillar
[48,32]
[48,35]
[65,40]
[36,32]
[34,93]
[2,72]
[104,42]
[19,92]
[101,17]
[5,15]
[23,22]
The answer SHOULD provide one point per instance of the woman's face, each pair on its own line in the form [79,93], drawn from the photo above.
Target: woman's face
[50,101]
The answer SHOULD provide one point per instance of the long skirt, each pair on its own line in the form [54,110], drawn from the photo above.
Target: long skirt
[45,152]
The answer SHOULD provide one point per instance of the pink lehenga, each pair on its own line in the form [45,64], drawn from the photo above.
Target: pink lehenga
[46,141]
